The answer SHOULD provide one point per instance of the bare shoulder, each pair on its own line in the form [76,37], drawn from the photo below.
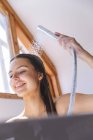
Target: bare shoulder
[13,119]
[17,118]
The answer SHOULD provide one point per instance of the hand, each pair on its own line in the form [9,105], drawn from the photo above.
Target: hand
[70,43]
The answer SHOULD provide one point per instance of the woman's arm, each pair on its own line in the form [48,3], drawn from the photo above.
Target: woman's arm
[83,104]
[70,43]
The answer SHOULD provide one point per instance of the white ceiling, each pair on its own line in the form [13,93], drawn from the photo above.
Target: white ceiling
[71,17]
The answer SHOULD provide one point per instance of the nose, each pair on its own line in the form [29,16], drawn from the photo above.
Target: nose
[15,77]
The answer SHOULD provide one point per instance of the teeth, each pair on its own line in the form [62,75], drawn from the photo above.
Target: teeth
[19,84]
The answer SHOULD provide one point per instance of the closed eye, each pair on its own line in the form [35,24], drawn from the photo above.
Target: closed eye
[10,76]
[20,72]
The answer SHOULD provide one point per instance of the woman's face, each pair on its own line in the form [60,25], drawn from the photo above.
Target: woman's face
[24,79]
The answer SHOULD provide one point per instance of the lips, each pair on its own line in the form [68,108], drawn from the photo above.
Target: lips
[19,86]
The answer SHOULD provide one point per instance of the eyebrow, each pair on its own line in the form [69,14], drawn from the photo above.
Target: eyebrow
[18,68]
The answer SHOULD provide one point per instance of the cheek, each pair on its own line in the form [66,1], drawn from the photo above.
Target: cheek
[32,80]
[11,84]
[26,77]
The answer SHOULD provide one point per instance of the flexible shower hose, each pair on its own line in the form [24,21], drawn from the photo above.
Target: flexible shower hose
[74,83]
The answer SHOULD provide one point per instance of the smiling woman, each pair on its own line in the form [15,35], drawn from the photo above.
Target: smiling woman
[28,77]
[28,80]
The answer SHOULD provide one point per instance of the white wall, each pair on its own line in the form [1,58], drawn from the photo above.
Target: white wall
[10,108]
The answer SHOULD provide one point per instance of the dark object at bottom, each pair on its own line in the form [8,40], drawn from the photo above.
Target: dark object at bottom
[52,128]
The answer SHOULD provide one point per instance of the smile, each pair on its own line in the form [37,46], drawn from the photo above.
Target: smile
[19,86]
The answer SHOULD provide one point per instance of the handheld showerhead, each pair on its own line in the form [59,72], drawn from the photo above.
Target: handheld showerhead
[47,32]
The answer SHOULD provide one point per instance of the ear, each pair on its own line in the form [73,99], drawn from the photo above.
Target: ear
[40,76]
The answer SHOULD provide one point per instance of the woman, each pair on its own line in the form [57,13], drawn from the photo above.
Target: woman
[28,80]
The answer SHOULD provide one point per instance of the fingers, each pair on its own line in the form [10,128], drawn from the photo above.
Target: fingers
[66,41]
[69,43]
[59,34]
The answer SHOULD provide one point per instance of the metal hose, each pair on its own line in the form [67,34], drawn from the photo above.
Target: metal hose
[74,83]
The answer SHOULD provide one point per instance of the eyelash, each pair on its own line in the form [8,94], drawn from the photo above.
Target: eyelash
[10,76]
[20,72]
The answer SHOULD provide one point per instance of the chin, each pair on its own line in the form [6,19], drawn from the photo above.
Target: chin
[20,94]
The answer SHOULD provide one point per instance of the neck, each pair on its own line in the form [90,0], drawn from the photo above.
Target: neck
[34,106]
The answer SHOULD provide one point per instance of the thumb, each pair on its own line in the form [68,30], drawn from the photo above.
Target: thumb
[57,34]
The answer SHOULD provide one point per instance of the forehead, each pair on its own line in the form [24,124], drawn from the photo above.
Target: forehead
[20,62]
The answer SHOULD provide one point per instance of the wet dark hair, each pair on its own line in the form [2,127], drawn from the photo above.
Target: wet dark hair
[44,85]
